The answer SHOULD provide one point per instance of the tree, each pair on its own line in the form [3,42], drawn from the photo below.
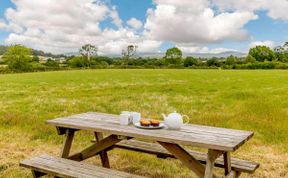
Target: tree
[190,61]
[279,49]
[250,59]
[88,50]
[35,59]
[286,45]
[51,63]
[77,62]
[18,58]
[231,60]
[173,56]
[262,53]
[213,62]
[280,53]
[130,51]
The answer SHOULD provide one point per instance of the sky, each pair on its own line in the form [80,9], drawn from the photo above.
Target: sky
[198,26]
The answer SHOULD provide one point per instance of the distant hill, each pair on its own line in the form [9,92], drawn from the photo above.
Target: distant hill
[218,55]
[198,55]
[3,50]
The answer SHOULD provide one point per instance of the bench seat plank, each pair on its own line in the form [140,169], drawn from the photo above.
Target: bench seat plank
[67,168]
[156,149]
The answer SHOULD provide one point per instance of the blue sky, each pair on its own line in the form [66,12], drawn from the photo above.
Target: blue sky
[166,24]
[4,4]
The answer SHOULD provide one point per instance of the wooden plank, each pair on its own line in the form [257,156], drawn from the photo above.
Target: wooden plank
[66,168]
[227,163]
[194,135]
[185,158]
[211,158]
[152,148]
[103,154]
[96,148]
[67,143]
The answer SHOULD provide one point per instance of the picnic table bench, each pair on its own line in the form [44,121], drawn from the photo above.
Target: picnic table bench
[220,142]
[60,167]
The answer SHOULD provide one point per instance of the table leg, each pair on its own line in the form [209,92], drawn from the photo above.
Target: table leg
[103,154]
[67,143]
[227,163]
[211,158]
[185,158]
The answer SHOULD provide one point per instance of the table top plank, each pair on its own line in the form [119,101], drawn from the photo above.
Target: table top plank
[193,135]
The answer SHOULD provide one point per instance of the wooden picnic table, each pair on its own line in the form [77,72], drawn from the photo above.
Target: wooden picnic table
[218,141]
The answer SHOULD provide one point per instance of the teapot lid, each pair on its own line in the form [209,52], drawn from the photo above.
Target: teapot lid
[175,114]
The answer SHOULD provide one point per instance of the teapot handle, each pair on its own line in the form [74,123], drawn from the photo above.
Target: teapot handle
[188,119]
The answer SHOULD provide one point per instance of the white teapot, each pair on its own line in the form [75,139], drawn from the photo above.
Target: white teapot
[175,120]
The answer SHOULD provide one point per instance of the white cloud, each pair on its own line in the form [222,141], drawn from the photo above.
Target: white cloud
[190,24]
[276,9]
[53,27]
[134,23]
[267,43]
[181,22]
[115,16]
[2,25]
[216,50]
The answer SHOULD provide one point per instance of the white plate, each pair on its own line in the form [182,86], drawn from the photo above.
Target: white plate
[161,125]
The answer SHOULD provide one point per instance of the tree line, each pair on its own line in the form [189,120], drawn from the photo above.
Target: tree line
[19,58]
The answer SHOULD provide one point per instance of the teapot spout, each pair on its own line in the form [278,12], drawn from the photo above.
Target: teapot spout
[164,116]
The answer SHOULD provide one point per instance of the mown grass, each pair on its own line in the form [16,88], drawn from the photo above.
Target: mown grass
[248,100]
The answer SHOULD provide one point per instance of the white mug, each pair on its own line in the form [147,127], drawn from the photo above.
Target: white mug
[136,116]
[124,119]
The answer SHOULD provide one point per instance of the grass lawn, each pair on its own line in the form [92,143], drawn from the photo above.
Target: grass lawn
[248,100]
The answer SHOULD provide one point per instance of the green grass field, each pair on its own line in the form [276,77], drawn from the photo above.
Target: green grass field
[248,100]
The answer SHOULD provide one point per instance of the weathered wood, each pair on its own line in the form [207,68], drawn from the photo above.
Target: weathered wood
[60,167]
[103,154]
[227,163]
[96,148]
[223,140]
[185,158]
[232,174]
[211,158]
[194,135]
[155,149]
[237,174]
[67,143]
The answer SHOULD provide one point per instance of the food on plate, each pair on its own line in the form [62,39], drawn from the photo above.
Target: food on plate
[155,123]
[144,122]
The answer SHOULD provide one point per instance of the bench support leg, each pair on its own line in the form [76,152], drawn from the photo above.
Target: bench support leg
[211,158]
[96,148]
[67,143]
[103,154]
[37,174]
[233,174]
